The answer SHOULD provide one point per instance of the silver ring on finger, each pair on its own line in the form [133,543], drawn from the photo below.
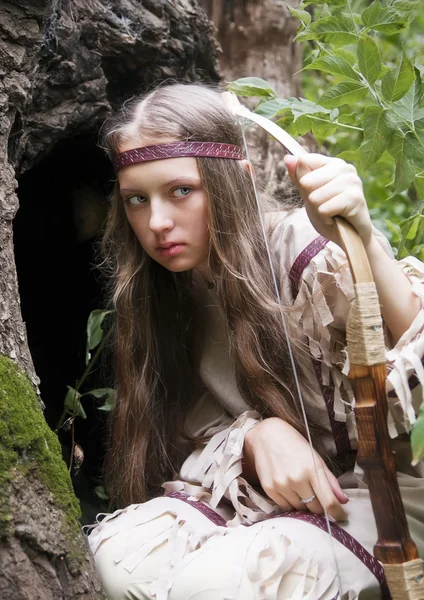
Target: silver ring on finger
[307,500]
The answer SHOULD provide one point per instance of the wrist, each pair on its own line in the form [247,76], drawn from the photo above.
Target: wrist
[372,247]
[262,430]
[249,438]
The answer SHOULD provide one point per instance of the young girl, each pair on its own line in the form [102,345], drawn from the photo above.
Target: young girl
[209,454]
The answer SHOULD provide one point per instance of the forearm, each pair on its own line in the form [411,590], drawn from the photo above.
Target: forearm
[399,305]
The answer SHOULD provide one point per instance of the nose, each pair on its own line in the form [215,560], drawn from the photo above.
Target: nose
[160,217]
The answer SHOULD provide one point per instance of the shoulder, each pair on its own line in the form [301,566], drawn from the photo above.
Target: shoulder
[295,242]
[293,239]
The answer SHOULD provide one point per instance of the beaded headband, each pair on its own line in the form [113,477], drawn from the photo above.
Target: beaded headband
[176,149]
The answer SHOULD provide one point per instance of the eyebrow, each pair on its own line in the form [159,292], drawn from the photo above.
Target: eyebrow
[183,179]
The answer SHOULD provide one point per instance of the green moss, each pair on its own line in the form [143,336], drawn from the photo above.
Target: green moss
[27,442]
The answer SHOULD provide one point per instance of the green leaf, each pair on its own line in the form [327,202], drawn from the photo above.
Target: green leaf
[73,403]
[406,145]
[100,492]
[322,129]
[417,438]
[286,122]
[302,15]
[350,155]
[338,30]
[384,69]
[357,17]
[369,58]
[298,106]
[420,135]
[404,174]
[347,92]
[302,106]
[377,134]
[94,330]
[412,236]
[414,148]
[406,6]
[419,185]
[333,3]
[108,405]
[386,159]
[413,227]
[419,123]
[334,65]
[370,15]
[251,86]
[386,20]
[408,107]
[405,149]
[398,80]
[350,119]
[347,56]
[291,128]
[303,124]
[325,3]
[108,394]
[272,108]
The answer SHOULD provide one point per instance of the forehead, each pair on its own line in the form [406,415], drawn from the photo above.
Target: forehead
[158,172]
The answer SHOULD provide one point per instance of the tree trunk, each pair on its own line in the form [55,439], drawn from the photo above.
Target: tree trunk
[256,40]
[64,66]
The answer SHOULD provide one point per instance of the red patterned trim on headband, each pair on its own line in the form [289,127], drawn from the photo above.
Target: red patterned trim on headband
[176,149]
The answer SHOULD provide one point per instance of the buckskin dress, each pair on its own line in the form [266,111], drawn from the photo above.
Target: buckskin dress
[212,536]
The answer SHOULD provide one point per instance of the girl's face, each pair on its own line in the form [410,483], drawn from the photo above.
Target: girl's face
[166,206]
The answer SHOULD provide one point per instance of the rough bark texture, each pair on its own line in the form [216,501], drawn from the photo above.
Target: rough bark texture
[257,41]
[63,66]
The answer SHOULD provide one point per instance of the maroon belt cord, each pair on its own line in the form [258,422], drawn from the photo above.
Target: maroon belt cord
[337,532]
[338,428]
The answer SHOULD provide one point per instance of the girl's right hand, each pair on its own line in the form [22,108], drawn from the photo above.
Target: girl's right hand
[285,468]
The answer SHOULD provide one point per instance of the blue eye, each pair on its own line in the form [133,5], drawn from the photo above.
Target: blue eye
[136,200]
[184,191]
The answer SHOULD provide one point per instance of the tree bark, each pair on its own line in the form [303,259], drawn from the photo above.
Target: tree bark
[64,65]
[256,40]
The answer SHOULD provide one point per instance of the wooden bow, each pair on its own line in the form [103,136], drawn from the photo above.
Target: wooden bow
[367,355]
[368,371]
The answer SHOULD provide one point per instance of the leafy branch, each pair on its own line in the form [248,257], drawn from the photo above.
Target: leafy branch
[385,102]
[72,406]
[378,99]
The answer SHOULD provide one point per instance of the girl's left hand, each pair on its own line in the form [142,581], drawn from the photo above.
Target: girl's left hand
[330,187]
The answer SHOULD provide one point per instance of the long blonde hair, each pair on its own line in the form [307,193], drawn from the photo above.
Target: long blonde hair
[155,326]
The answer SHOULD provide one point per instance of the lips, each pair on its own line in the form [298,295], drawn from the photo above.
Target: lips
[168,245]
[170,249]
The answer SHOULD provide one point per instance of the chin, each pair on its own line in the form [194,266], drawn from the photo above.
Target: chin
[178,268]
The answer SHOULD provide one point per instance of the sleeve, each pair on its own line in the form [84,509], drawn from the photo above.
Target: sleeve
[214,470]
[321,308]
